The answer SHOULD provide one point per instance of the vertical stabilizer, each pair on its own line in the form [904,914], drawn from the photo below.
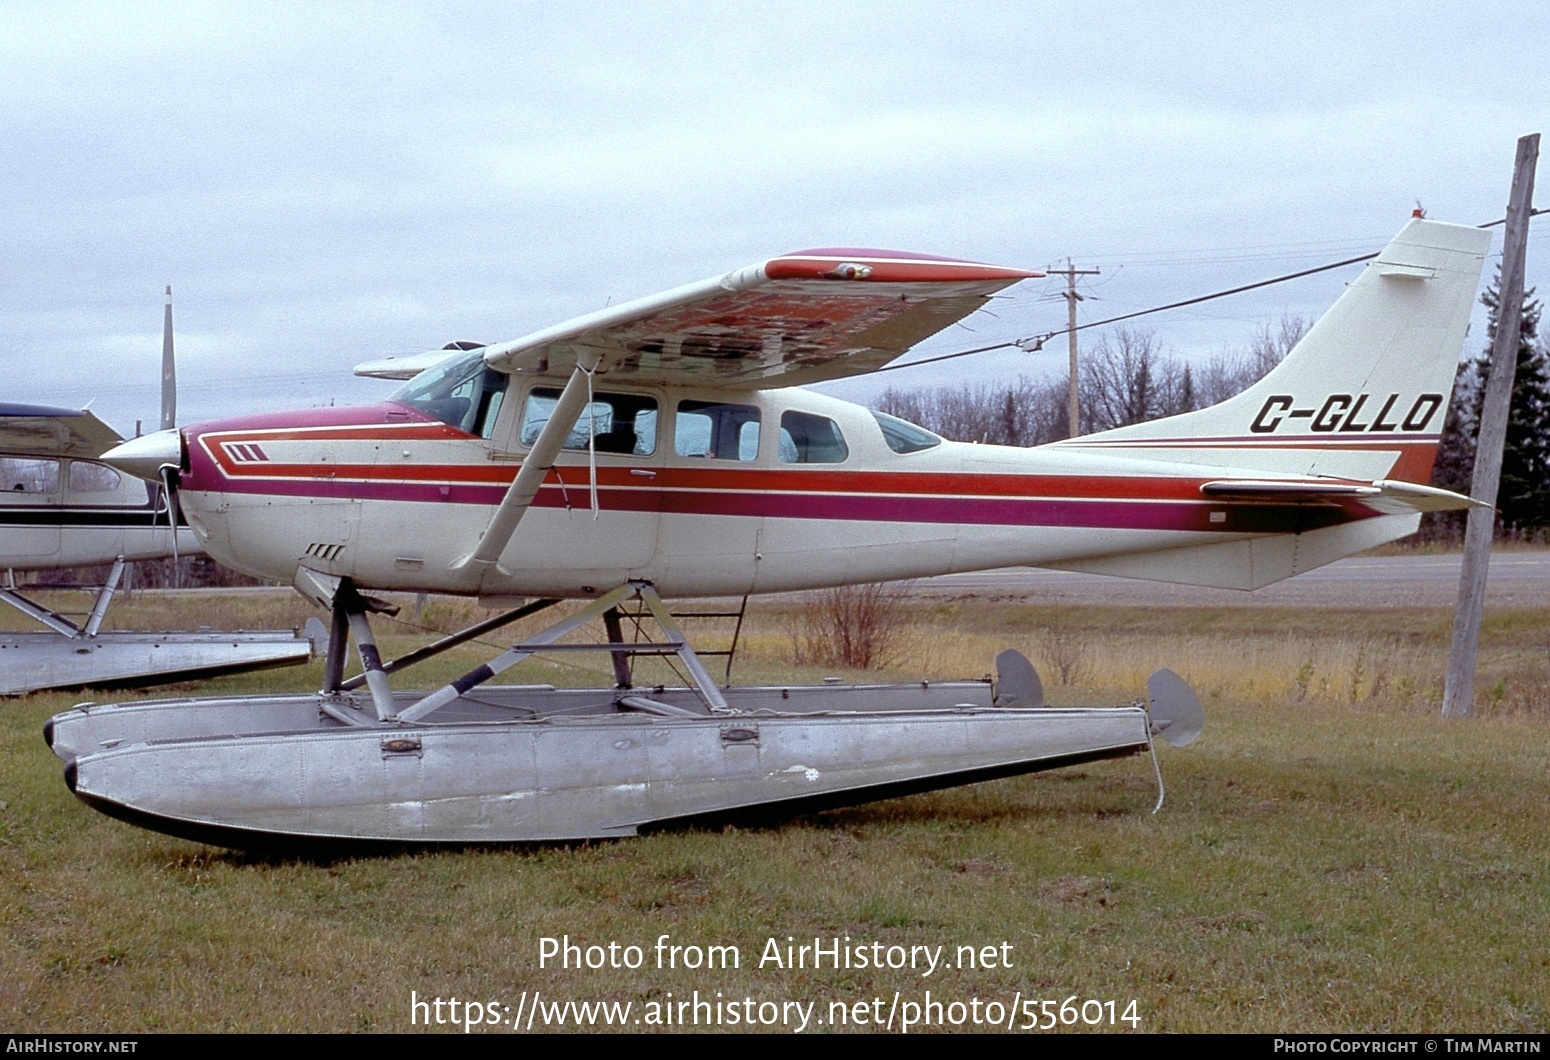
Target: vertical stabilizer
[1363,395]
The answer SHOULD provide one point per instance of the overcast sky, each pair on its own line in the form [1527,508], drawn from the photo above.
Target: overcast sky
[325,184]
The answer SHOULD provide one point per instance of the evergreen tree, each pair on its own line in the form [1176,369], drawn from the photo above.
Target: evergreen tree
[1187,402]
[1523,498]
[1455,466]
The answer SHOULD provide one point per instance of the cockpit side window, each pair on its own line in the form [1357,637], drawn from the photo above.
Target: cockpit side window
[808,439]
[717,430]
[903,436]
[462,392]
[612,423]
[89,477]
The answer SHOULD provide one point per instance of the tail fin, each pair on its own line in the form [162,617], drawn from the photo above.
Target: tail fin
[1363,395]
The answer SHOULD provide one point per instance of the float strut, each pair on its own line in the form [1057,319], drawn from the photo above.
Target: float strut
[622,676]
[338,644]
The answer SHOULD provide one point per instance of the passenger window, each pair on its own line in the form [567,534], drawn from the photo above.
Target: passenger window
[614,423]
[806,439]
[716,430]
[86,477]
[24,475]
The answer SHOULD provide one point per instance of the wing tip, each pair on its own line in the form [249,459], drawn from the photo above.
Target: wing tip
[887,266]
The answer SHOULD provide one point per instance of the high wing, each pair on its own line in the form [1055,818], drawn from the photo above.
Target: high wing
[39,430]
[799,318]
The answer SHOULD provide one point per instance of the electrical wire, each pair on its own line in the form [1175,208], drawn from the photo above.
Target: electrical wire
[1034,342]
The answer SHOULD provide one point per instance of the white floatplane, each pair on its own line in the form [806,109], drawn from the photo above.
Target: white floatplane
[61,507]
[662,449]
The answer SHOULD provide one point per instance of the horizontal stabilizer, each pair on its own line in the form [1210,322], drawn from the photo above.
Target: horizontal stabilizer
[1175,710]
[1388,496]
[1287,489]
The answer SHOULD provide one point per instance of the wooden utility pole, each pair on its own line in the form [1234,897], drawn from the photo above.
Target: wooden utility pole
[1073,405]
[1459,691]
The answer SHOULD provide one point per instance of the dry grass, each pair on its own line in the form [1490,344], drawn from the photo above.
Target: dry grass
[1333,856]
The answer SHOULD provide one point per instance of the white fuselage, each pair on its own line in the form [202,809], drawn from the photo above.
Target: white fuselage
[392,500]
[58,512]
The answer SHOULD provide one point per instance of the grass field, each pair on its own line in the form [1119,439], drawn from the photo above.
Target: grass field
[1332,857]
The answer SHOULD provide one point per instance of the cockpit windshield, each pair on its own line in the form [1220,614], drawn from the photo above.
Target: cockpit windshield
[461,391]
[903,436]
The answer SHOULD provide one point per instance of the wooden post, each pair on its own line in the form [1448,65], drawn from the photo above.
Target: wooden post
[1073,403]
[1459,691]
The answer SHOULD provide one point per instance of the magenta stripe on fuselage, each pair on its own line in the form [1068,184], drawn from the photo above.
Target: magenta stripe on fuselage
[1130,514]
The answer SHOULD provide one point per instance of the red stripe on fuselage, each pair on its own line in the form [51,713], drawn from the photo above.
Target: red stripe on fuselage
[873,496]
[251,477]
[791,492]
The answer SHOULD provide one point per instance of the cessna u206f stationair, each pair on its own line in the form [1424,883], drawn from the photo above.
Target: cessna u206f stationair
[659,449]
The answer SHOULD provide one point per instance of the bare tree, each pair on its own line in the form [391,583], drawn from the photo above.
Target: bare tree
[1126,378]
[1020,413]
[1233,373]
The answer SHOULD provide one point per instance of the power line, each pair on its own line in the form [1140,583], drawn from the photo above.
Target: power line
[1035,342]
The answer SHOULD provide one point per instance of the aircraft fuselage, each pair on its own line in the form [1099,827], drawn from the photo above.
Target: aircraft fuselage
[57,512]
[764,491]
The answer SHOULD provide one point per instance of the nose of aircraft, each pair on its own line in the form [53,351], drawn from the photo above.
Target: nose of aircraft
[145,456]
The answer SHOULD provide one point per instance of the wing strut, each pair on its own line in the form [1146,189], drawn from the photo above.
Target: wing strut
[540,459]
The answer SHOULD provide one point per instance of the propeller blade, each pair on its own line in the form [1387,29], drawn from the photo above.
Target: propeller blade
[169,491]
[169,372]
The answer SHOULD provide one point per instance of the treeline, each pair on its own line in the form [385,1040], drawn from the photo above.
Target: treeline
[185,572]
[1127,377]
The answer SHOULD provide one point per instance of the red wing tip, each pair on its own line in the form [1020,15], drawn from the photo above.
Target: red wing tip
[872,252]
[896,266]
